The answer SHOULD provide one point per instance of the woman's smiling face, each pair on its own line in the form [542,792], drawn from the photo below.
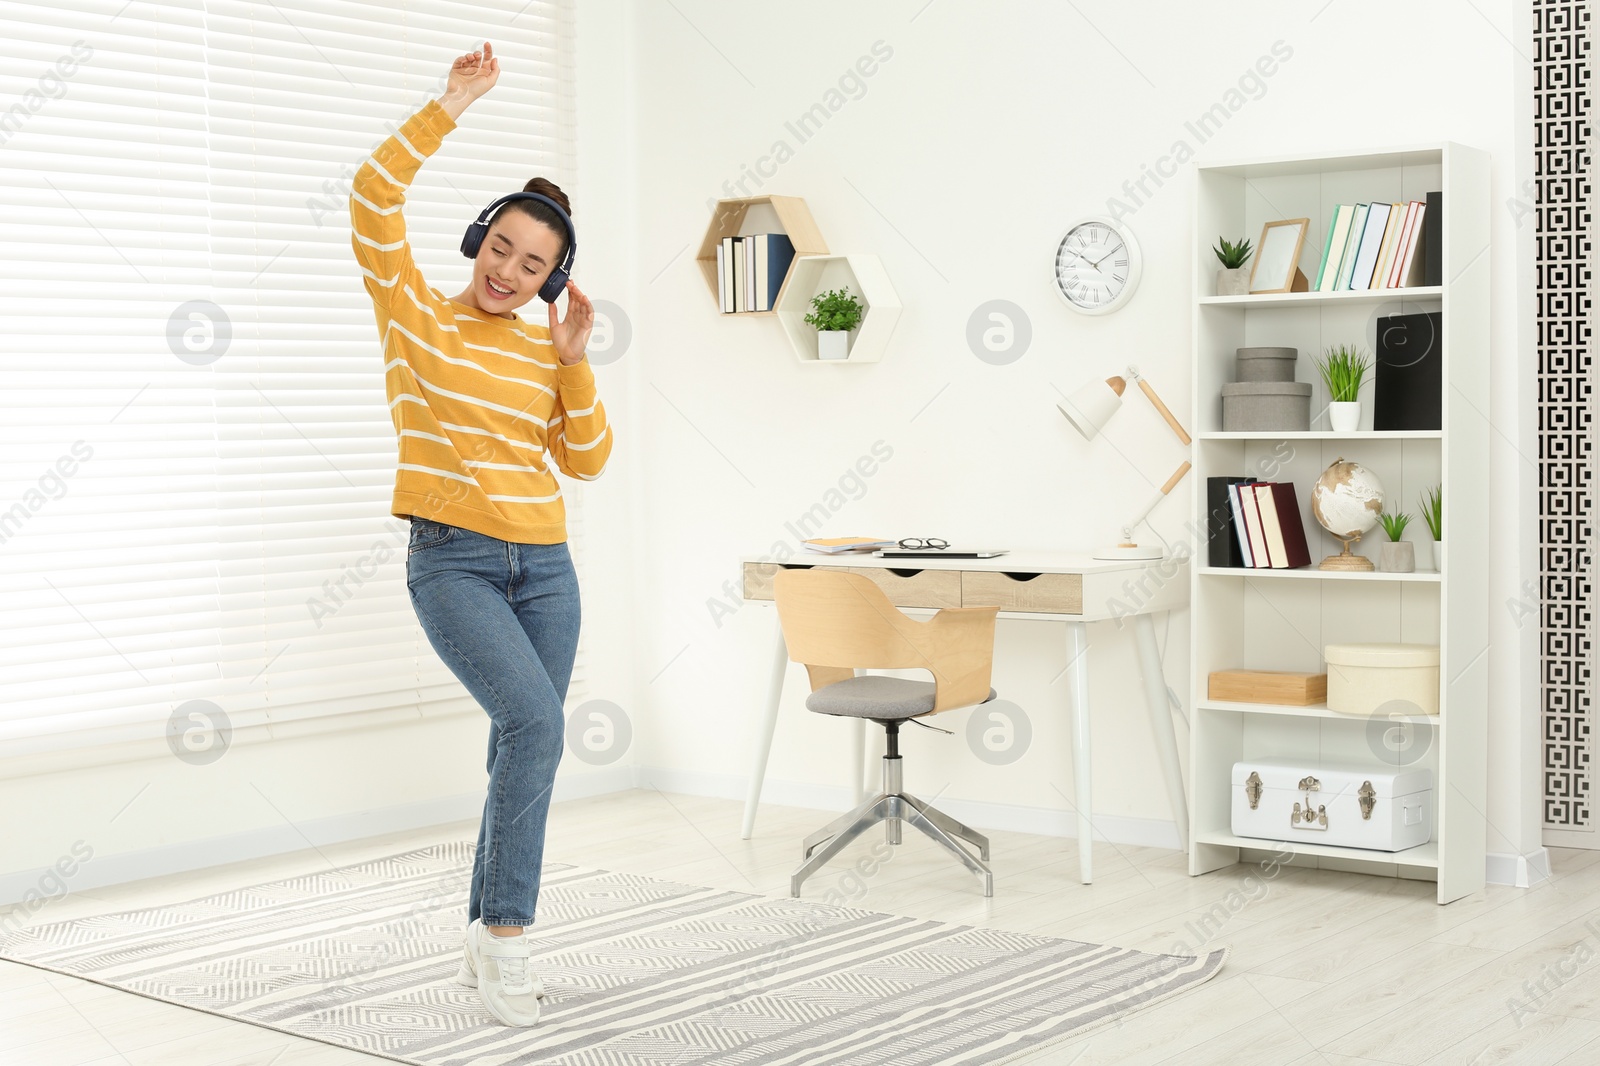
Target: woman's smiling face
[513,262]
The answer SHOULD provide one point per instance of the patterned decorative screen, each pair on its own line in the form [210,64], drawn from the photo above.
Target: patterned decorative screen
[1562,128]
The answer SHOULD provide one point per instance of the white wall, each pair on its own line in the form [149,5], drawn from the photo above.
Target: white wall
[959,161]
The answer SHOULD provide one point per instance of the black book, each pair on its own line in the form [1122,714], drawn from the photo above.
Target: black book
[1409,381]
[1222,544]
[1432,244]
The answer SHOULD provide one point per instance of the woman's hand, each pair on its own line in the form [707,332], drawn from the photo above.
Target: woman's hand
[571,335]
[472,75]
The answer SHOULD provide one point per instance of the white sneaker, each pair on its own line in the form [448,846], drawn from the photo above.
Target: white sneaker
[498,966]
[467,974]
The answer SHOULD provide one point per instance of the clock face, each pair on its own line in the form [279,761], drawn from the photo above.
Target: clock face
[1097,266]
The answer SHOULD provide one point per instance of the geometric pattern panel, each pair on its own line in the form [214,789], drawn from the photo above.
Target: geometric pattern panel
[637,971]
[1562,207]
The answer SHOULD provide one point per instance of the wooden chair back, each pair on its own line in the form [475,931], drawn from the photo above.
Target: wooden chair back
[835,622]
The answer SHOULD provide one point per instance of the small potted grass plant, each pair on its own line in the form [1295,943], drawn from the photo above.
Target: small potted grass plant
[1343,368]
[1433,515]
[1396,556]
[835,314]
[1234,278]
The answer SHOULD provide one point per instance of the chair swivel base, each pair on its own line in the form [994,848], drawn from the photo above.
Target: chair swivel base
[891,807]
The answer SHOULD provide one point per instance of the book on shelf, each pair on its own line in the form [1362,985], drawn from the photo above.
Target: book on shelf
[750,270]
[1391,236]
[1432,246]
[738,275]
[1400,270]
[1222,544]
[1375,246]
[1408,372]
[725,274]
[1269,532]
[1352,244]
[1291,517]
[1252,526]
[1371,244]
[1240,532]
[1333,247]
[773,254]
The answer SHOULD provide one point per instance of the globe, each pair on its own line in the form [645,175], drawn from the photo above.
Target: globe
[1347,499]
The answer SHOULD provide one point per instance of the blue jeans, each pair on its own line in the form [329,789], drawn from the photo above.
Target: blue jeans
[504,618]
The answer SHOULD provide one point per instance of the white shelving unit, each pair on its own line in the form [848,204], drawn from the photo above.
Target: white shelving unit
[1281,619]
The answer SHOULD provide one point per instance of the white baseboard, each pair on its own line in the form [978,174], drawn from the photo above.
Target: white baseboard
[115,869]
[1518,871]
[832,799]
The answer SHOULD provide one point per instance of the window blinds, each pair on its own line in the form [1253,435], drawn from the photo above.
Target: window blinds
[198,460]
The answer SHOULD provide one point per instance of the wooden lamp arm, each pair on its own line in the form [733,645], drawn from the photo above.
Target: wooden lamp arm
[1183,434]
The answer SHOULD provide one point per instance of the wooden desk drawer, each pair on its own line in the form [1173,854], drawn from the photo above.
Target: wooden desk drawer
[904,587]
[758,580]
[1040,593]
[912,588]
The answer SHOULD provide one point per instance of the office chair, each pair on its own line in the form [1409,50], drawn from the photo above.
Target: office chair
[834,623]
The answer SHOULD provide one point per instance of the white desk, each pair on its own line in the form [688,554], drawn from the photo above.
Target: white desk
[1044,586]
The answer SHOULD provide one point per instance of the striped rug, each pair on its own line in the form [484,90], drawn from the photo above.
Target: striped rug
[636,970]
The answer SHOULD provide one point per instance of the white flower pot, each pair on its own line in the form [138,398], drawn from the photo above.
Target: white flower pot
[1345,417]
[1438,556]
[833,344]
[1397,557]
[1235,282]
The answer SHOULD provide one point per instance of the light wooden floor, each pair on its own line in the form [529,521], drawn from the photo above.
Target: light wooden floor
[1326,968]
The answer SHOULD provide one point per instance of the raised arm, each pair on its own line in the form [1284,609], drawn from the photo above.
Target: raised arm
[579,438]
[580,442]
[377,228]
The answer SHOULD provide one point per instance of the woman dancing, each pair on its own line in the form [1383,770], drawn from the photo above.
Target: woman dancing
[485,403]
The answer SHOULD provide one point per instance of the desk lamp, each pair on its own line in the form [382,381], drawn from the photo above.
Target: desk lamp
[1089,409]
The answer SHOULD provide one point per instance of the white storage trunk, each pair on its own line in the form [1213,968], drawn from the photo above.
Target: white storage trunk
[1385,679]
[1385,809]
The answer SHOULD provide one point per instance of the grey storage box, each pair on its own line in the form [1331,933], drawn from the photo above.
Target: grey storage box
[1265,364]
[1266,405]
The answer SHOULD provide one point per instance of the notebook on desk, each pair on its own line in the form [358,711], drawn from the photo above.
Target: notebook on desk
[940,553]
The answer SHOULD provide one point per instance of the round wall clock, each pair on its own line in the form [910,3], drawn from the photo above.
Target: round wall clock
[1096,265]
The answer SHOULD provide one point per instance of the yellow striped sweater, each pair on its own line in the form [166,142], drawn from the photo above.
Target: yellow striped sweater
[481,403]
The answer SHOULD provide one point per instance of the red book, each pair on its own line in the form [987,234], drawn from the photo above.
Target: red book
[1294,530]
[1252,523]
[1397,271]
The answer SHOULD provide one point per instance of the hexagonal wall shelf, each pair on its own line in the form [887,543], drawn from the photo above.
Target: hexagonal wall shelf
[865,277]
[793,216]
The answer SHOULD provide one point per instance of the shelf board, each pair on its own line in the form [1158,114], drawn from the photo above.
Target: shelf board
[1314,710]
[1421,855]
[1305,299]
[1321,434]
[1311,573]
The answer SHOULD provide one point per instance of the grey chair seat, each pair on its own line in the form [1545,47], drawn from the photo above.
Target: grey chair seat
[874,696]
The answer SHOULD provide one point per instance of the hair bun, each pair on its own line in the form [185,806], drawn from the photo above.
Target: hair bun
[546,187]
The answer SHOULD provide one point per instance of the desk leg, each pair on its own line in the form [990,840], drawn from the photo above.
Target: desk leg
[1078,687]
[1155,691]
[769,723]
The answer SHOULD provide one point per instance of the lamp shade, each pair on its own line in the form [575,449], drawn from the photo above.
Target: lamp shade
[1092,406]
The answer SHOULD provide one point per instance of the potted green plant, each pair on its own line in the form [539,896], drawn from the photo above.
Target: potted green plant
[835,314]
[1343,368]
[1396,556]
[1233,279]
[1433,515]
